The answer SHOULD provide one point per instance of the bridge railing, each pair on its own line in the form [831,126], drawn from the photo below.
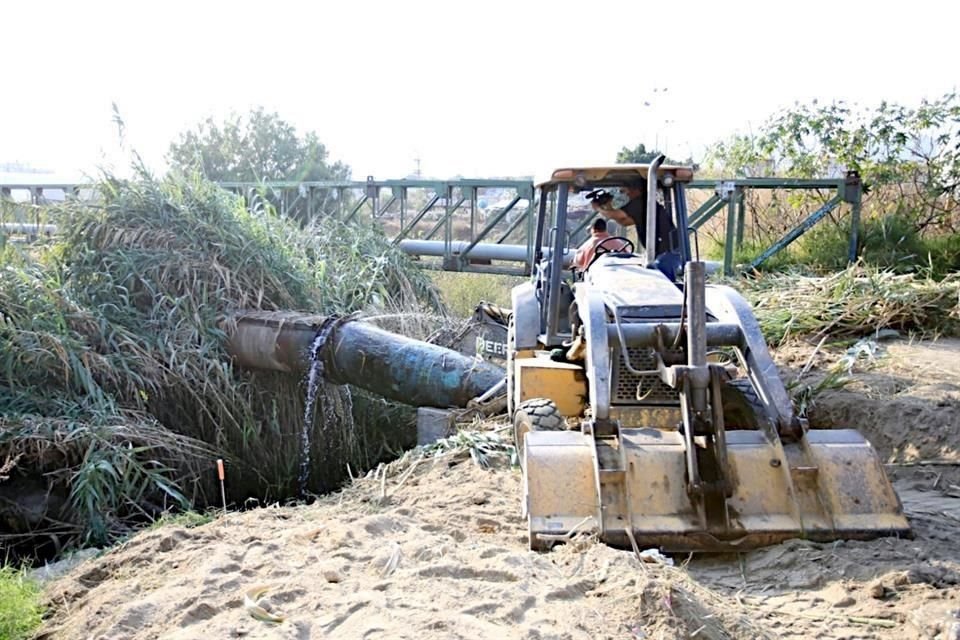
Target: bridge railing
[442,221]
[463,225]
[730,195]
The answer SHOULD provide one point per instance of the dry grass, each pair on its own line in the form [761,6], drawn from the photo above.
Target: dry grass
[856,302]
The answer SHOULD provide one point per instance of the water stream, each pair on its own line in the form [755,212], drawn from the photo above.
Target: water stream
[316,381]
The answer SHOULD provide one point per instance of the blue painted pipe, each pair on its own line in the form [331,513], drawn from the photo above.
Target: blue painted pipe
[396,367]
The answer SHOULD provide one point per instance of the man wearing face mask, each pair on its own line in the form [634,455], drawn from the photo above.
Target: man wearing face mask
[634,213]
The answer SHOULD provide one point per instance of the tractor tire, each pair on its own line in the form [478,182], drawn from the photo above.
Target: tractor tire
[537,414]
[742,408]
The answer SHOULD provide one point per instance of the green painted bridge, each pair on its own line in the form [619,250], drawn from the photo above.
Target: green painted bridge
[466,225]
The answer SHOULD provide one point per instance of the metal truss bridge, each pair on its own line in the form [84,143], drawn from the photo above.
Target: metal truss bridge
[482,226]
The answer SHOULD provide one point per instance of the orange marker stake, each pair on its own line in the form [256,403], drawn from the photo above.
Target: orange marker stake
[223,491]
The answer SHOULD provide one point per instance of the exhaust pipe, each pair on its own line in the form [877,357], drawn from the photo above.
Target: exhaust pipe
[651,239]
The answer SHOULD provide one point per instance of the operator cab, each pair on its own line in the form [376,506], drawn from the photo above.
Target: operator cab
[564,219]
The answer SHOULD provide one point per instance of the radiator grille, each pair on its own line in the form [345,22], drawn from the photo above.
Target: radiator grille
[624,383]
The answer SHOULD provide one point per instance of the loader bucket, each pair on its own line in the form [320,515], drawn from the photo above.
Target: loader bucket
[828,486]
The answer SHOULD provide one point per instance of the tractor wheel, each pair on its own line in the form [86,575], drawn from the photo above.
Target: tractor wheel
[742,408]
[537,414]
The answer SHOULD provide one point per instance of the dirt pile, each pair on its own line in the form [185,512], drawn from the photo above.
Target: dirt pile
[438,550]
[444,556]
[906,402]
[909,406]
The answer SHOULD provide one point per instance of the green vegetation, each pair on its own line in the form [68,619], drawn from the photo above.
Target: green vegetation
[20,609]
[908,158]
[749,251]
[887,242]
[185,519]
[116,394]
[257,148]
[462,292]
[640,155]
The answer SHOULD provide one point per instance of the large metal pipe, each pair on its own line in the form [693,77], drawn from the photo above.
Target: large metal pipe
[480,251]
[396,367]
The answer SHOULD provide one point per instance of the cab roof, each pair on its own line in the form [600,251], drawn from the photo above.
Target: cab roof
[614,173]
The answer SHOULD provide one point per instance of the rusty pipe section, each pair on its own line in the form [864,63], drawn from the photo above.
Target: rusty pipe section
[396,367]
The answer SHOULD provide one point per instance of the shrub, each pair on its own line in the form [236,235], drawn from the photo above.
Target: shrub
[20,610]
[462,292]
[886,242]
[116,393]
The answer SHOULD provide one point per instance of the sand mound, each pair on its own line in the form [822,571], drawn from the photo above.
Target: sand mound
[906,402]
[439,551]
[909,406]
[444,556]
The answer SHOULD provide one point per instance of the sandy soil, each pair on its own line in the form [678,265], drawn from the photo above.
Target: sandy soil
[907,403]
[439,551]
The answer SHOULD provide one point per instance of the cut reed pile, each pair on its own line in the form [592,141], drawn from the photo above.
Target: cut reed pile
[115,391]
[859,301]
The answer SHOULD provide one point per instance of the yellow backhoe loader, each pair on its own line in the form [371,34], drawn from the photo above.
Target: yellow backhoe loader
[647,408]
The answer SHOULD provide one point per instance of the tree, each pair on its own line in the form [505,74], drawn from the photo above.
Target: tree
[911,155]
[908,157]
[260,147]
[639,155]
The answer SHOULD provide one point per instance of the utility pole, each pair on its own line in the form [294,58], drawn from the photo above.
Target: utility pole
[417,160]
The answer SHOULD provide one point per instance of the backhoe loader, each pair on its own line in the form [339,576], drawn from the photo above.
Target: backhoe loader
[646,406]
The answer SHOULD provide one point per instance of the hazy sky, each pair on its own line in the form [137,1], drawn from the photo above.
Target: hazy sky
[474,88]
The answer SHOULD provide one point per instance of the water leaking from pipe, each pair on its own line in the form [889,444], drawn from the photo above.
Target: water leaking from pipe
[317,380]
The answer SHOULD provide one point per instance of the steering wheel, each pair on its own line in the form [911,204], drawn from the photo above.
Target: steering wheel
[600,249]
